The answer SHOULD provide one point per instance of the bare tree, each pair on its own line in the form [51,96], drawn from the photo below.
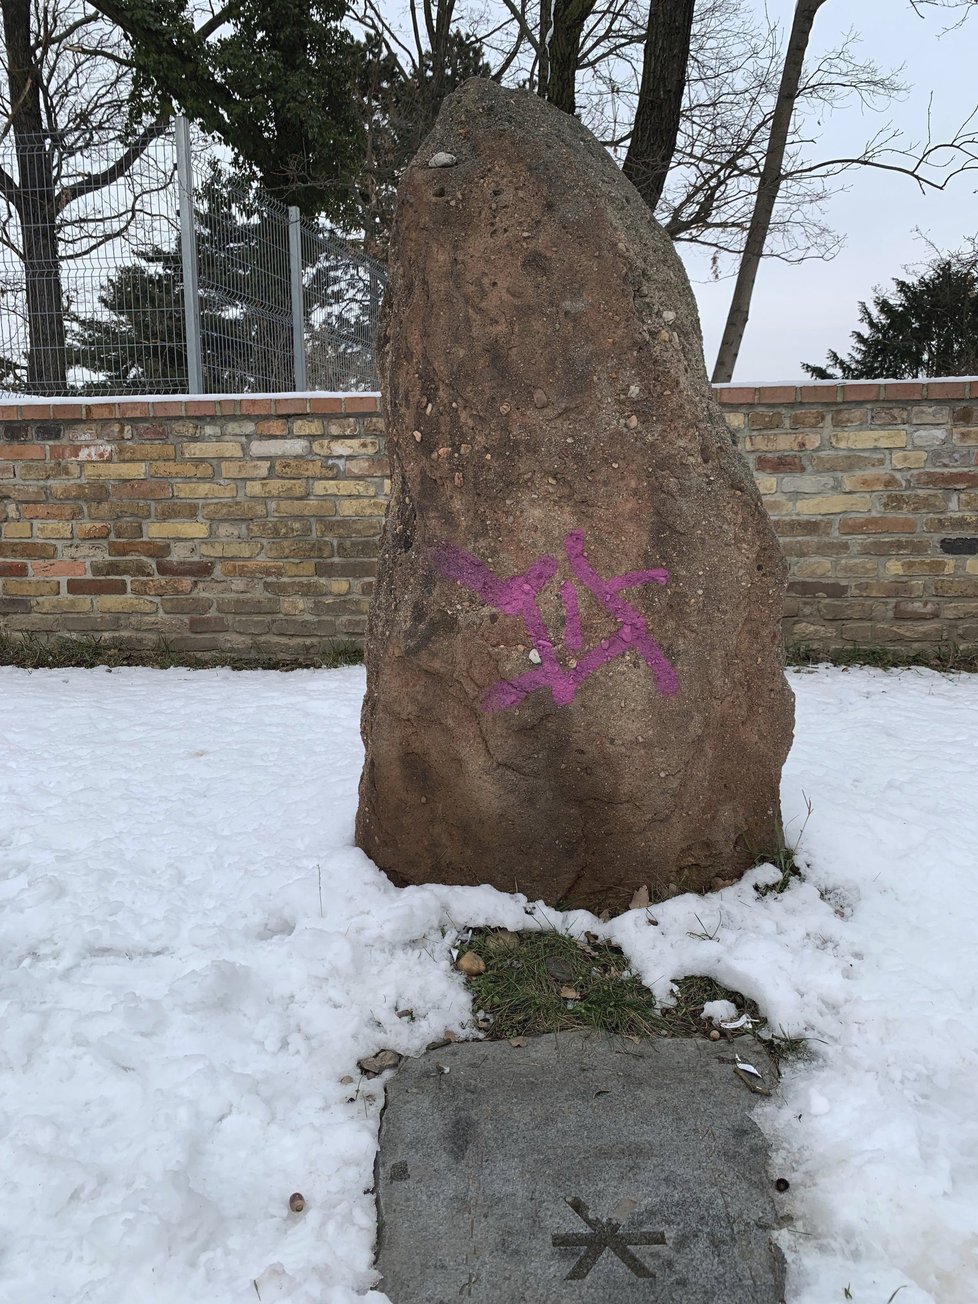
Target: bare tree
[767,191]
[655,129]
[65,86]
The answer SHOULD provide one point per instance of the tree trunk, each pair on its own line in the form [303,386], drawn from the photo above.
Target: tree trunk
[767,191]
[36,208]
[543,61]
[660,97]
[569,17]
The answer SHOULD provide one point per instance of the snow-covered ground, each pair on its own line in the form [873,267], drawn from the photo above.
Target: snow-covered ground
[193,956]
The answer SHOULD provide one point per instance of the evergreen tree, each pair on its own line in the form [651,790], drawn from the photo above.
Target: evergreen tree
[923,327]
[136,343]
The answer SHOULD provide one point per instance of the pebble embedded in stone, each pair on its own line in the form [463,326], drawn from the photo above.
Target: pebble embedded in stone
[442,160]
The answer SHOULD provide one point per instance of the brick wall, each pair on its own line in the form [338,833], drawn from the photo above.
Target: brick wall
[873,488]
[234,525]
[251,525]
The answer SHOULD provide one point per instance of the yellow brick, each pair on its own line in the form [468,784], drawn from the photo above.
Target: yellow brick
[114,470]
[971,565]
[62,606]
[920,566]
[303,427]
[735,420]
[143,452]
[17,530]
[54,529]
[966,434]
[226,448]
[244,470]
[795,442]
[184,470]
[177,530]
[869,438]
[195,490]
[767,484]
[909,461]
[276,488]
[341,488]
[287,466]
[88,531]
[811,568]
[337,587]
[299,568]
[133,606]
[230,548]
[365,507]
[30,588]
[307,508]
[345,447]
[829,504]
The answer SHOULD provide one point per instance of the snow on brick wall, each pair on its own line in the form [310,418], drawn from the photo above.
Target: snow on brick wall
[251,524]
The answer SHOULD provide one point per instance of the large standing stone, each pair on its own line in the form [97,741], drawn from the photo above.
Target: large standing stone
[574,665]
[576,1170]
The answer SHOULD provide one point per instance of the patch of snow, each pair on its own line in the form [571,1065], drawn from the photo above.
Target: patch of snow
[193,955]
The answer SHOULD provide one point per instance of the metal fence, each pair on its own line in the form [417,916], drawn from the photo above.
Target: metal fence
[150,267]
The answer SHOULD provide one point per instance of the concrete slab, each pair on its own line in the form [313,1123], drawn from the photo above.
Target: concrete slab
[576,1170]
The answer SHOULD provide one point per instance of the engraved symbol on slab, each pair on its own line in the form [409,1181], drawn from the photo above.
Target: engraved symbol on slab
[605,1234]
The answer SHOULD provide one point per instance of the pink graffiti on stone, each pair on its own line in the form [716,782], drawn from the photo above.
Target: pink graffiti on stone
[519,596]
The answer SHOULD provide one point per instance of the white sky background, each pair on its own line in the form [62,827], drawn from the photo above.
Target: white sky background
[800,311]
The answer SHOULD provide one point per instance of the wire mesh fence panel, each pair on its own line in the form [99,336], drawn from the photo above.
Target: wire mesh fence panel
[86,292]
[93,268]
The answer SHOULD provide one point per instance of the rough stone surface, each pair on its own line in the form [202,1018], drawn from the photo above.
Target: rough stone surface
[477,1167]
[617,713]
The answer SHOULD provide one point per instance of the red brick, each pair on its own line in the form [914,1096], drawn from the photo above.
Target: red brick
[912,389]
[193,569]
[202,408]
[134,410]
[947,389]
[257,407]
[877,525]
[331,405]
[9,412]
[775,394]
[50,512]
[947,479]
[141,489]
[360,403]
[57,568]
[21,452]
[817,394]
[290,407]
[13,569]
[171,408]
[16,548]
[859,393]
[148,434]
[103,411]
[779,463]
[96,586]
[735,396]
[139,548]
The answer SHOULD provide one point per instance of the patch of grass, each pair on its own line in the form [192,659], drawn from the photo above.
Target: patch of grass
[945,657]
[783,858]
[31,651]
[542,982]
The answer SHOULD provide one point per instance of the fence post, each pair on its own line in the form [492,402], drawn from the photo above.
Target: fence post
[188,252]
[298,312]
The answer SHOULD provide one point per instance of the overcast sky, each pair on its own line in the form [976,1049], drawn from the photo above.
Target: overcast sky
[799,312]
